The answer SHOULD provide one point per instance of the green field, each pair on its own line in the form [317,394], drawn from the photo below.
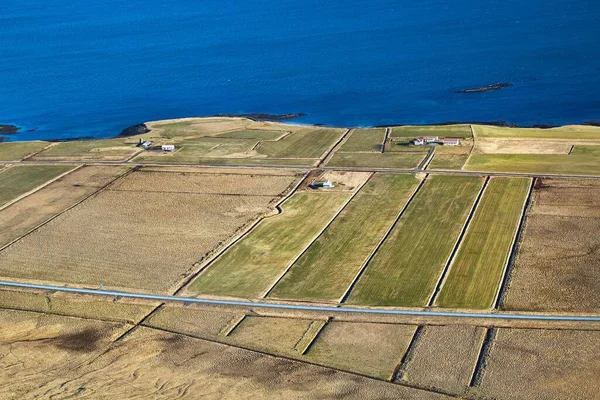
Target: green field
[256,134]
[404,160]
[330,264]
[406,268]
[583,163]
[18,180]
[563,132]
[248,268]
[364,140]
[14,151]
[448,161]
[303,143]
[411,131]
[478,266]
[89,149]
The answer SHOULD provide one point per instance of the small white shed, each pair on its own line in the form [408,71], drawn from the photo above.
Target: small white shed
[168,147]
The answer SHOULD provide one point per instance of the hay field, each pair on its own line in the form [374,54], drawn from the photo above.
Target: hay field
[369,140]
[344,180]
[557,268]
[14,151]
[493,145]
[370,349]
[81,150]
[210,126]
[332,261]
[255,134]
[63,357]
[248,268]
[542,364]
[139,239]
[20,179]
[563,132]
[478,266]
[413,131]
[403,159]
[451,157]
[304,142]
[405,269]
[575,164]
[444,357]
[24,215]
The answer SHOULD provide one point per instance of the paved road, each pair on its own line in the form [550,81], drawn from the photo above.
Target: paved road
[329,309]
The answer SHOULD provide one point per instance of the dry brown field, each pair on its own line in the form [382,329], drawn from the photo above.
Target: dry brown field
[370,349]
[445,357]
[558,268]
[542,364]
[344,180]
[61,357]
[139,239]
[27,213]
[491,145]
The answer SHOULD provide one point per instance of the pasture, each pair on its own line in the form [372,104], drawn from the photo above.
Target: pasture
[18,180]
[413,131]
[82,150]
[369,140]
[478,266]
[402,160]
[404,271]
[576,164]
[14,151]
[562,132]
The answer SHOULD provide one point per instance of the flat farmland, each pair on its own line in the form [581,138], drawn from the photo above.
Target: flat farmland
[18,180]
[576,164]
[478,266]
[332,261]
[210,126]
[302,143]
[248,268]
[24,215]
[367,348]
[562,132]
[444,357]
[404,271]
[255,134]
[364,140]
[557,268]
[451,157]
[413,131]
[405,160]
[493,145]
[542,364]
[14,151]
[107,149]
[140,239]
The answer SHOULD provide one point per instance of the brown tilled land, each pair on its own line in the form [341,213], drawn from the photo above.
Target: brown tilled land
[144,233]
[558,266]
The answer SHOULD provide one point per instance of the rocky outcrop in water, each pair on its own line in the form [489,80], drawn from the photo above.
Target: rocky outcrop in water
[495,86]
[137,129]
[8,129]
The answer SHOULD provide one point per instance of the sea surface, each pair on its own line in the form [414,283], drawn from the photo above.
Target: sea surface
[91,68]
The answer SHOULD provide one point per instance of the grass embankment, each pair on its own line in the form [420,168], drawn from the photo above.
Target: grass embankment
[477,268]
[364,140]
[405,269]
[18,180]
[326,269]
[248,268]
[413,131]
[14,151]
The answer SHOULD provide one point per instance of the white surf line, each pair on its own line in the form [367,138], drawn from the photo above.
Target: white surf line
[510,257]
[457,245]
[43,185]
[284,306]
[333,218]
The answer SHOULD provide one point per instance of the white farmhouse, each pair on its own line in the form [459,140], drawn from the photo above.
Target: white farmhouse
[168,147]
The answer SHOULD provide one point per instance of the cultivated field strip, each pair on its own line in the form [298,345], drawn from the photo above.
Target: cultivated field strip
[405,269]
[249,267]
[331,262]
[369,140]
[478,267]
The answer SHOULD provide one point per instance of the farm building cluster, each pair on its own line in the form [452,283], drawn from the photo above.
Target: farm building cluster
[448,141]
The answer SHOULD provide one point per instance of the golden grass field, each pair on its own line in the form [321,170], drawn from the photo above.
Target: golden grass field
[558,268]
[146,237]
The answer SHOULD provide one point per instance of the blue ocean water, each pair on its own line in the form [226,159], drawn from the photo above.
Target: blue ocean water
[88,68]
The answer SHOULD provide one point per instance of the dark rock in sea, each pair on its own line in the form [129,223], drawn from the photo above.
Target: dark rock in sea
[544,126]
[592,123]
[265,117]
[32,129]
[495,86]
[8,129]
[137,129]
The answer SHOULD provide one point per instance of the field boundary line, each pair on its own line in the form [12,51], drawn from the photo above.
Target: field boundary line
[317,236]
[232,325]
[312,340]
[514,247]
[386,136]
[426,159]
[206,264]
[300,360]
[457,245]
[43,185]
[472,148]
[134,155]
[398,373]
[325,157]
[35,153]
[362,269]
[480,365]
[121,175]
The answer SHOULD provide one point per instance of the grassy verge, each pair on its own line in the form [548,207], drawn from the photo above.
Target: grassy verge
[476,271]
[405,269]
[21,179]
[249,267]
[326,269]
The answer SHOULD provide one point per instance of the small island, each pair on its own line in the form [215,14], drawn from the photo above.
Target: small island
[495,86]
